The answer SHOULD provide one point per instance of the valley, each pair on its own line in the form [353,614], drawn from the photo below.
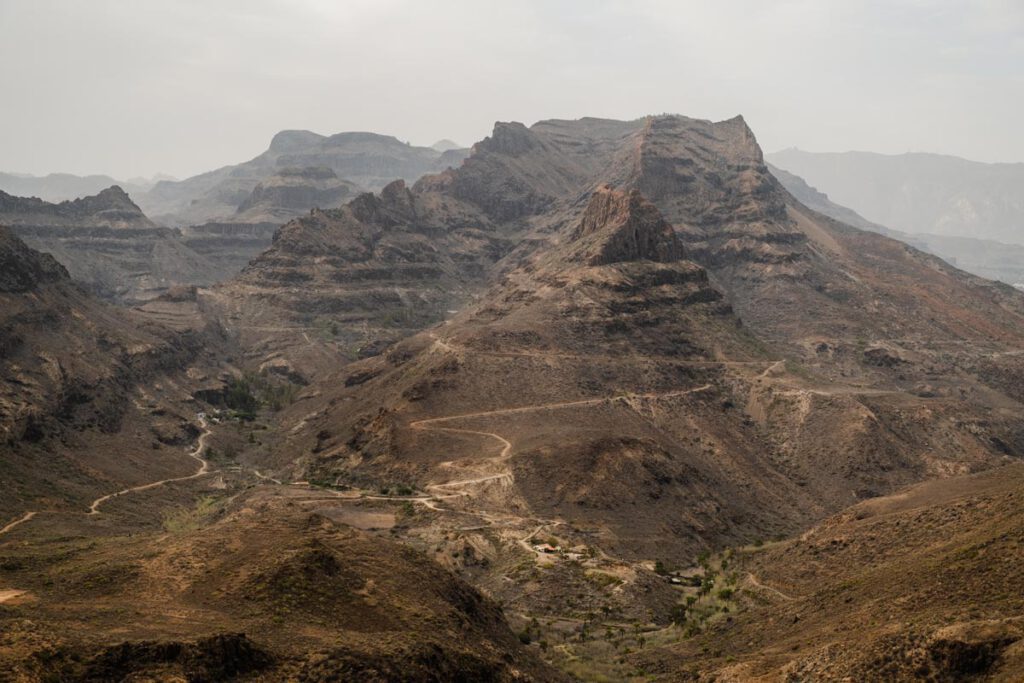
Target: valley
[602,400]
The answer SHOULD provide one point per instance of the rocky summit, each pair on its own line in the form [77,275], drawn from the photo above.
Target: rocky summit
[594,400]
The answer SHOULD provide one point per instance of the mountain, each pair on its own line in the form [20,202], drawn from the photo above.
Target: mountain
[986,258]
[656,352]
[609,375]
[109,244]
[59,187]
[367,160]
[79,388]
[292,192]
[919,193]
[111,208]
[446,145]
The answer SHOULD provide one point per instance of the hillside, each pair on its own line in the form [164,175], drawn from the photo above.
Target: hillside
[87,401]
[264,592]
[918,585]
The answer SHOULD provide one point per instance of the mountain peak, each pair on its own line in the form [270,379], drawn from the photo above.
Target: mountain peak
[445,145]
[623,226]
[511,138]
[292,140]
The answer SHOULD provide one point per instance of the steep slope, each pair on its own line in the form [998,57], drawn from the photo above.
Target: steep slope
[778,260]
[919,193]
[87,399]
[915,586]
[368,160]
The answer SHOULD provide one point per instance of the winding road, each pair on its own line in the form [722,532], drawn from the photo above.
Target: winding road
[7,594]
[24,518]
[196,453]
[455,487]
[757,584]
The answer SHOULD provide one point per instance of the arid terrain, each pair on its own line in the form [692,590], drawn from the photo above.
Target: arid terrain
[601,401]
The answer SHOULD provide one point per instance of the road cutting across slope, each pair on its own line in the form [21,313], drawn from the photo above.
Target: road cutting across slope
[757,584]
[21,520]
[196,453]
[455,488]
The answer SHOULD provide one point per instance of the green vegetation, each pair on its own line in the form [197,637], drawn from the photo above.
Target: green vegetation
[247,394]
[182,520]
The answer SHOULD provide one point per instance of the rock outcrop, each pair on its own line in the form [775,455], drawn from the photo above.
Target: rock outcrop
[625,227]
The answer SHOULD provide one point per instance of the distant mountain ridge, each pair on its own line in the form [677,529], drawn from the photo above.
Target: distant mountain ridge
[58,187]
[111,208]
[367,160]
[918,192]
[107,243]
[988,258]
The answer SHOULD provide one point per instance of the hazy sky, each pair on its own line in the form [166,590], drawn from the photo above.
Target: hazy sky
[135,87]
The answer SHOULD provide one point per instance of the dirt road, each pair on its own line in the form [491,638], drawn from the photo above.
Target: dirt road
[24,518]
[196,453]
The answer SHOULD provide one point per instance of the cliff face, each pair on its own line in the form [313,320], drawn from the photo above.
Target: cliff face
[625,227]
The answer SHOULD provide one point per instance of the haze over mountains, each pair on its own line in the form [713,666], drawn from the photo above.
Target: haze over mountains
[525,412]
[919,193]
[59,187]
[367,160]
[209,227]
[942,201]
